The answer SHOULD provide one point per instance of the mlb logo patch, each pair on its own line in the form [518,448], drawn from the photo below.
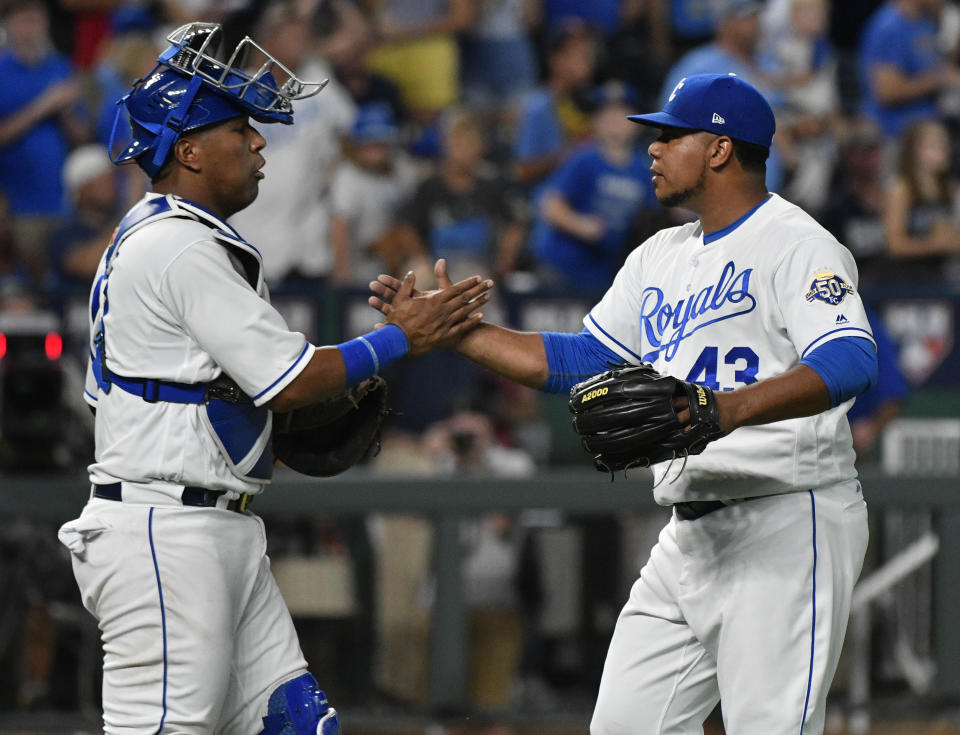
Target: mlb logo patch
[924,330]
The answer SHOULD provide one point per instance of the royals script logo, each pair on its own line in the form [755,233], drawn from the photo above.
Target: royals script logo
[665,325]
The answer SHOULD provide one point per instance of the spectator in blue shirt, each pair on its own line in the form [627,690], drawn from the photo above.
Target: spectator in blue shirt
[902,70]
[591,206]
[733,50]
[38,122]
[551,122]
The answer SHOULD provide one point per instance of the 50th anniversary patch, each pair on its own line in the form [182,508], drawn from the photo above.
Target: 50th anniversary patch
[829,288]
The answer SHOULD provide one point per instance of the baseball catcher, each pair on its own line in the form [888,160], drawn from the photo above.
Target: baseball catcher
[628,417]
[190,366]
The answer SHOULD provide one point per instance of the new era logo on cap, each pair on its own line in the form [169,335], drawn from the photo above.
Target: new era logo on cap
[717,103]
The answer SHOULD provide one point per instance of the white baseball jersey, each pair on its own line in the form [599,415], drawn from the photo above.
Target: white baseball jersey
[180,309]
[749,603]
[745,305]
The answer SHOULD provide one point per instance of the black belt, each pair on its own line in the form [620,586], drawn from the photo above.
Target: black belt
[196,496]
[690,510]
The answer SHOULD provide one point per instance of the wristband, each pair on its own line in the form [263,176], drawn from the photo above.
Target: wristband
[367,355]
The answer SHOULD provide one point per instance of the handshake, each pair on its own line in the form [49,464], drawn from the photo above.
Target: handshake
[431,319]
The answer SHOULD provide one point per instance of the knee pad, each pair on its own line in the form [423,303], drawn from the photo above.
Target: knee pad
[299,707]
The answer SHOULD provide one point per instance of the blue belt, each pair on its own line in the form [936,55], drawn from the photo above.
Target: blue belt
[152,390]
[196,496]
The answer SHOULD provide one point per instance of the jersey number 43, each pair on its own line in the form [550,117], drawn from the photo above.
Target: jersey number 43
[744,364]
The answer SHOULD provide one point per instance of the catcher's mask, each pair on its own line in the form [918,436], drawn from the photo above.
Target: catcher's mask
[191,87]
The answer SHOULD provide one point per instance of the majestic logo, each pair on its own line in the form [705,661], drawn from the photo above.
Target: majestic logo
[718,120]
[665,325]
[841,319]
[676,89]
[829,288]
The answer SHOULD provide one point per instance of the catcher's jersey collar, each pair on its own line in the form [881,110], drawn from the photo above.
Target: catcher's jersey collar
[709,237]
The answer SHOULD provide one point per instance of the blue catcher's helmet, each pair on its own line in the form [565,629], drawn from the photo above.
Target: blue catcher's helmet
[190,88]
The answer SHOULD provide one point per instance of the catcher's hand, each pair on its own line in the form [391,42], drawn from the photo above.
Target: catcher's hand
[628,417]
[327,438]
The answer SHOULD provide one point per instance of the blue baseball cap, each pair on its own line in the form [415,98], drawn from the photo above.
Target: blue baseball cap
[374,123]
[717,103]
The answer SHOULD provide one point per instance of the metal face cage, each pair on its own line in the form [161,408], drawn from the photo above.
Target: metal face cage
[249,73]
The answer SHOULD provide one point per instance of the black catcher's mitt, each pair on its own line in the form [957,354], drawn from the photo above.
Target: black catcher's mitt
[625,417]
[329,437]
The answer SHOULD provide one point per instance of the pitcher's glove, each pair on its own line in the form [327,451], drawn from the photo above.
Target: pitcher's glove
[327,438]
[626,418]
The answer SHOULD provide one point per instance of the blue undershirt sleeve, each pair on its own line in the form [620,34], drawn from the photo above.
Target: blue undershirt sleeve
[848,365]
[572,358]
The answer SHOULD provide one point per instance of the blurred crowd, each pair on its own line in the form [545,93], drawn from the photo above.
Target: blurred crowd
[490,132]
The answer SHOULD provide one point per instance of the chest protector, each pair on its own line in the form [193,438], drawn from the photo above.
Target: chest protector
[241,430]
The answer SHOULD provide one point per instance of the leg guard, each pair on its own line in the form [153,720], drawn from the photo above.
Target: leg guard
[299,707]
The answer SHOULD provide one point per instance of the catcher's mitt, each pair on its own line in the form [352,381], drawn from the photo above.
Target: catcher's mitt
[626,418]
[329,437]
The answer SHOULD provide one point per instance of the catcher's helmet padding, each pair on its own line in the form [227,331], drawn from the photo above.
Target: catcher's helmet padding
[190,88]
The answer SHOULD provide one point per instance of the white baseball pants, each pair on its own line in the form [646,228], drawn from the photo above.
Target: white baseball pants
[747,605]
[195,632]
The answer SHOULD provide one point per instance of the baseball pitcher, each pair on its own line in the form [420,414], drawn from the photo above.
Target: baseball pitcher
[742,342]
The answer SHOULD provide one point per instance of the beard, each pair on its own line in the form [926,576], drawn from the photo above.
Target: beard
[679,198]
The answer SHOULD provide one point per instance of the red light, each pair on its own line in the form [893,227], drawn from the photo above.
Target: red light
[53,346]
[3,344]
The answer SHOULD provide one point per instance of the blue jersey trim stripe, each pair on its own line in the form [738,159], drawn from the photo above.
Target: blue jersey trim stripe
[163,618]
[285,372]
[834,331]
[813,612]
[712,236]
[88,393]
[613,339]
